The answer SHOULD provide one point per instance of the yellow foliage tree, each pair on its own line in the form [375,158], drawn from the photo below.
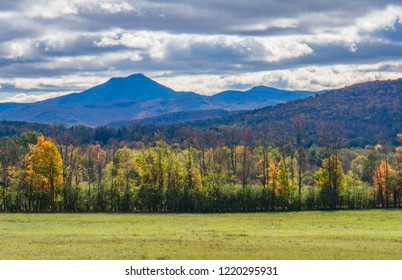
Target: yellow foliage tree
[45,168]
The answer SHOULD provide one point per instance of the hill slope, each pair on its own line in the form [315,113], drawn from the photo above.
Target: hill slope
[371,110]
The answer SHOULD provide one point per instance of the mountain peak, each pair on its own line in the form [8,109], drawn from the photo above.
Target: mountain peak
[264,88]
[137,75]
[134,78]
[136,87]
[136,97]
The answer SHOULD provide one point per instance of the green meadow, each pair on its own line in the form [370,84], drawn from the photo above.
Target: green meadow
[372,234]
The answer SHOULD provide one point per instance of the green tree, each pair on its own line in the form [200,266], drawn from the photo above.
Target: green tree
[357,194]
[329,179]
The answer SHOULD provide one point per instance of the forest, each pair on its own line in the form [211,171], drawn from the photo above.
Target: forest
[198,170]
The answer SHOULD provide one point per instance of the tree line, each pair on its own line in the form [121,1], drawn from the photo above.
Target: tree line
[279,172]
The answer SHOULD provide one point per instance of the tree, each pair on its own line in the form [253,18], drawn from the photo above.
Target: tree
[100,164]
[329,179]
[127,176]
[299,128]
[9,156]
[285,187]
[152,165]
[72,176]
[357,194]
[398,184]
[175,178]
[45,170]
[12,165]
[383,183]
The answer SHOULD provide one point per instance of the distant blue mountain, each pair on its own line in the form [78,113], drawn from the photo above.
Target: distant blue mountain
[134,88]
[138,97]
[258,97]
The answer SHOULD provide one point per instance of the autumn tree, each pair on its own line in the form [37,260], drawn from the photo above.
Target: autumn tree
[100,164]
[93,162]
[72,176]
[357,194]
[192,178]
[286,187]
[12,152]
[126,177]
[272,183]
[383,183]
[9,156]
[152,165]
[329,179]
[398,184]
[175,178]
[45,170]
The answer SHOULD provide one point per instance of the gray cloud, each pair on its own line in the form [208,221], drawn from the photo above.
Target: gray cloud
[61,46]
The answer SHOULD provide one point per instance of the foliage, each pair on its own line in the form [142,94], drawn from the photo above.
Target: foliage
[162,177]
[357,194]
[329,180]
[44,172]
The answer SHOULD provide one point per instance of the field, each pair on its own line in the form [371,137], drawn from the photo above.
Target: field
[372,234]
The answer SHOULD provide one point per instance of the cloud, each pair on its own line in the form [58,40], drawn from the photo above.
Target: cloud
[26,98]
[67,46]
[314,78]
[60,8]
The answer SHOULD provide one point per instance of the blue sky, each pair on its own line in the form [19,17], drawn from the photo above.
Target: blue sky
[51,48]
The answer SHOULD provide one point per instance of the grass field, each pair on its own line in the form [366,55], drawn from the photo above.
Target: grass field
[373,234]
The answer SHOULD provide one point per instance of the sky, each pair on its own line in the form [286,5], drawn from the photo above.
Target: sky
[52,48]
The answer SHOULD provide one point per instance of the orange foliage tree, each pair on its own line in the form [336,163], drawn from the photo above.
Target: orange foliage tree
[45,169]
[382,183]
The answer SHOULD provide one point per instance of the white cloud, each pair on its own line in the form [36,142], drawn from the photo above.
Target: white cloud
[17,49]
[57,8]
[115,6]
[30,98]
[263,25]
[312,78]
[54,9]
[157,44]
[76,82]
[6,15]
[380,19]
[281,48]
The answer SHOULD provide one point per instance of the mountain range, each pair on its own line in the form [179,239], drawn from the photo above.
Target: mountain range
[138,98]
[366,113]
[370,111]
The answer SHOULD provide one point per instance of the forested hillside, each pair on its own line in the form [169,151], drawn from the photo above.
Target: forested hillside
[367,113]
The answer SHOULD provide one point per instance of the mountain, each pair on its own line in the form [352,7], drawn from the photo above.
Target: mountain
[134,88]
[371,110]
[177,117]
[257,97]
[118,99]
[138,97]
[367,113]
